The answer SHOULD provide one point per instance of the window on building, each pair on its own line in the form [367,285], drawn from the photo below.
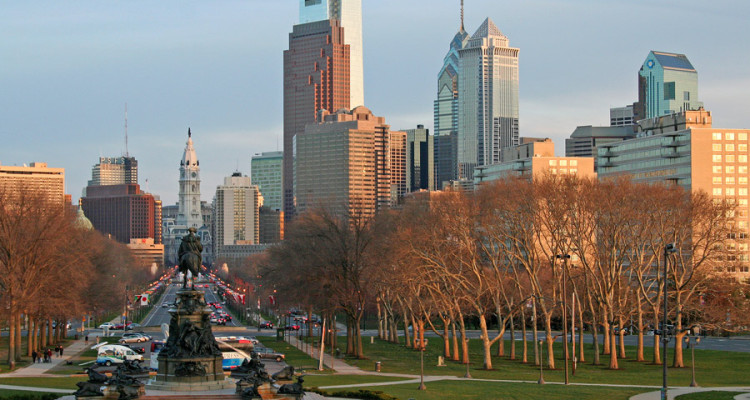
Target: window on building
[730,180]
[574,171]
[729,147]
[743,191]
[729,158]
[729,136]
[686,96]
[717,169]
[743,180]
[717,180]
[669,91]
[717,157]
[717,136]
[742,169]
[716,146]
[553,162]
[563,163]
[742,136]
[729,191]
[742,147]
[717,191]
[729,169]
[573,163]
[742,158]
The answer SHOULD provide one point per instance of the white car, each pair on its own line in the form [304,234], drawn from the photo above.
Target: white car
[107,325]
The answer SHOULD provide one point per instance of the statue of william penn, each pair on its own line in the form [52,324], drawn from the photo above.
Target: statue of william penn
[190,256]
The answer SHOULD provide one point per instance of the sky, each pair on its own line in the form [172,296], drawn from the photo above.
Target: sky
[67,69]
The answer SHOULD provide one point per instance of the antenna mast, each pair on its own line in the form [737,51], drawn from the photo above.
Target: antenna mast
[462,14]
[127,154]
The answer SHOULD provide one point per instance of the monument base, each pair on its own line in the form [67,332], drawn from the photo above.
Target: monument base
[204,386]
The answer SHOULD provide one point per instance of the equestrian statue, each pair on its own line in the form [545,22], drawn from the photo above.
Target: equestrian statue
[190,256]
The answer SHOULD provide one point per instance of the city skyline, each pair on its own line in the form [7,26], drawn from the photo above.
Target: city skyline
[72,68]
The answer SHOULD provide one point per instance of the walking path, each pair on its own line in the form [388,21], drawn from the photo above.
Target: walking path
[41,369]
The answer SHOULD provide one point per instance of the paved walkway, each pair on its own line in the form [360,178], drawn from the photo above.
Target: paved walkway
[41,369]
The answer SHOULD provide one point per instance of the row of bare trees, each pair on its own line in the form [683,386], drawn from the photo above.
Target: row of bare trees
[496,255]
[53,270]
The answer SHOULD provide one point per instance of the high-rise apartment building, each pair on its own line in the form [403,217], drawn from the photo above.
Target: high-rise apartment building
[114,171]
[584,140]
[236,208]
[35,178]
[420,149]
[685,149]
[488,99]
[349,14]
[446,111]
[621,116]
[189,213]
[350,162]
[316,77]
[667,84]
[266,171]
[124,212]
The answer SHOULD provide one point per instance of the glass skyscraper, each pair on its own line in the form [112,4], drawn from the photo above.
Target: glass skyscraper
[266,173]
[488,99]
[349,12]
[667,84]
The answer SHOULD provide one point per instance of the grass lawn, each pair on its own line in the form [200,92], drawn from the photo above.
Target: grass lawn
[713,368]
[25,361]
[711,395]
[505,391]
[294,356]
[23,394]
[53,383]
[88,355]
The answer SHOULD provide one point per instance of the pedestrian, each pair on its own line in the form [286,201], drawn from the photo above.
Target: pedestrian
[49,355]
[57,350]
[61,350]
[34,355]
[86,339]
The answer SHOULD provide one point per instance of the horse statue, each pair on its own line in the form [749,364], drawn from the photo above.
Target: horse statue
[190,256]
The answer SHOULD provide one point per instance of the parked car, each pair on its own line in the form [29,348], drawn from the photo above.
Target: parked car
[264,352]
[107,325]
[137,349]
[131,326]
[294,327]
[266,325]
[116,354]
[134,338]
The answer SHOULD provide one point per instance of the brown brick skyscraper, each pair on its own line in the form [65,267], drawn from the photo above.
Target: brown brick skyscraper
[316,77]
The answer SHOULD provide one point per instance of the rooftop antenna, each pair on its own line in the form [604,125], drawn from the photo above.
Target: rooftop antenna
[127,154]
[462,14]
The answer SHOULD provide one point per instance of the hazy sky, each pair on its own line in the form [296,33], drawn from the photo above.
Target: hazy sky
[67,68]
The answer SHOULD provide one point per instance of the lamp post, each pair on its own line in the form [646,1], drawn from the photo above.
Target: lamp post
[669,248]
[565,258]
[541,363]
[421,365]
[691,344]
[467,375]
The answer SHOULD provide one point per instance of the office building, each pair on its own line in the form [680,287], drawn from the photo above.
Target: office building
[488,99]
[446,111]
[621,116]
[114,171]
[584,140]
[266,171]
[531,159]
[349,14]
[685,149]
[123,212]
[316,77]
[350,162]
[667,84]
[420,150]
[147,252]
[189,212]
[271,225]
[236,208]
[35,179]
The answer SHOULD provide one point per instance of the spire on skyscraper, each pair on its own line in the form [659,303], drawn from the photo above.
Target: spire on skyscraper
[462,15]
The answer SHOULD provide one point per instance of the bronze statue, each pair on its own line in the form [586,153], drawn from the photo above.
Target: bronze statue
[190,256]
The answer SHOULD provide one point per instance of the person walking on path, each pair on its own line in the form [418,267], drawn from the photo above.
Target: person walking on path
[61,350]
[86,339]
[49,355]
[34,356]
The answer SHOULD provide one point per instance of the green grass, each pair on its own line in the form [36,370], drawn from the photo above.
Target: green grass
[504,391]
[713,368]
[294,356]
[710,395]
[334,380]
[52,383]
[26,395]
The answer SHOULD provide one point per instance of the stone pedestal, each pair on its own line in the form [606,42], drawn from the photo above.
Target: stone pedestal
[191,359]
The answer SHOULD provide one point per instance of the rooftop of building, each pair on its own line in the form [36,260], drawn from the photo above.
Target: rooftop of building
[588,131]
[487,29]
[673,61]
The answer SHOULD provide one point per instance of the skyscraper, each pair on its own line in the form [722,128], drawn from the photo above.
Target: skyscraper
[667,84]
[420,174]
[349,14]
[446,111]
[316,77]
[488,99]
[236,208]
[266,172]
[124,212]
[36,178]
[189,213]
[114,171]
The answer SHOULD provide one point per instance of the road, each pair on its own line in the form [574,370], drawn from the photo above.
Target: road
[160,315]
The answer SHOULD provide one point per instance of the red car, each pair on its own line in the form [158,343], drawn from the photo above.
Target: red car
[292,327]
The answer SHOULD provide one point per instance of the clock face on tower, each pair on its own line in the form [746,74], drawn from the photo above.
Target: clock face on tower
[194,175]
[650,63]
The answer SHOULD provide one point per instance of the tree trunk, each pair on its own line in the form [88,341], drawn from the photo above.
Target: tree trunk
[415,326]
[523,333]
[12,340]
[43,334]
[485,335]
[512,339]
[464,340]
[550,341]
[406,327]
[595,340]
[607,343]
[30,336]
[455,356]
[581,357]
[321,352]
[612,354]
[358,337]
[446,339]
[678,361]
[500,331]
[350,336]
[381,331]
[639,352]
[19,324]
[622,340]
[50,333]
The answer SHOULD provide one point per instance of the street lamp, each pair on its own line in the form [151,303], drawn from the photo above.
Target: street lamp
[467,375]
[541,363]
[669,248]
[691,344]
[566,258]
[421,365]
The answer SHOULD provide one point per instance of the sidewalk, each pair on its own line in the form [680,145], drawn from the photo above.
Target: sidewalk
[672,393]
[41,369]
